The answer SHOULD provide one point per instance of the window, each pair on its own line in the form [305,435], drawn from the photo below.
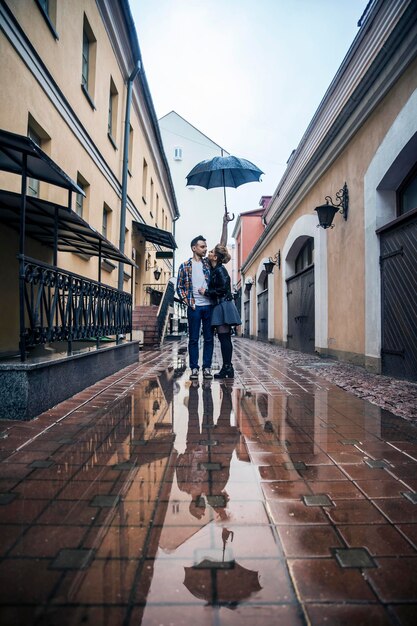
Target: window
[42,139]
[88,62]
[151,194]
[48,11]
[33,184]
[156,210]
[112,117]
[130,157]
[407,193]
[80,200]
[306,256]
[177,153]
[106,229]
[144,180]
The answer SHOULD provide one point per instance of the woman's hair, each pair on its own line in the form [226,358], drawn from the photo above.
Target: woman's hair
[222,253]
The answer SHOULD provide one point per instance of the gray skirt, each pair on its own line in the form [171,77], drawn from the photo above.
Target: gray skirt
[225,313]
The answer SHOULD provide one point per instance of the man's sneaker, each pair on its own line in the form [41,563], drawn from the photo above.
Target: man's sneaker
[207,373]
[194,374]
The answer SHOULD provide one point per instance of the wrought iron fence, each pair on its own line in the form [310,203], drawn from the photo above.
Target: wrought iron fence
[61,306]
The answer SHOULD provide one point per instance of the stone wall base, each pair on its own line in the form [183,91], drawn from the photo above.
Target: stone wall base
[29,389]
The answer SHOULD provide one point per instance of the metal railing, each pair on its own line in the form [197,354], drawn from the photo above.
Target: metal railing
[166,302]
[59,305]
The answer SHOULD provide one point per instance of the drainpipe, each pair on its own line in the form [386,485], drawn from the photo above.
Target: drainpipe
[173,252]
[124,172]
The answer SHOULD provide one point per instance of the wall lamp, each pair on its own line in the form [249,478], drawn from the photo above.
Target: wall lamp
[275,260]
[326,212]
[248,283]
[157,273]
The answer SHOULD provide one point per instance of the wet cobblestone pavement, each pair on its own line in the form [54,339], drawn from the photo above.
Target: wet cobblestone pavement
[278,498]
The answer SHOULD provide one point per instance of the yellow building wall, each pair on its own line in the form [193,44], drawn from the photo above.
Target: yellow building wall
[23,96]
[345,243]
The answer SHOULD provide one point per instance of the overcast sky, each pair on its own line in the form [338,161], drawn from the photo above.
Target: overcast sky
[248,74]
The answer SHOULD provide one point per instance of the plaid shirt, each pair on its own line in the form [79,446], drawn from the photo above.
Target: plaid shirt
[185,283]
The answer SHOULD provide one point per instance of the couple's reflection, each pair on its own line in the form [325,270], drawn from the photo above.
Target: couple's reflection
[203,469]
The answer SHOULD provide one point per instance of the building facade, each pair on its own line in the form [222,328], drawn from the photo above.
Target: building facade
[201,209]
[349,291]
[73,82]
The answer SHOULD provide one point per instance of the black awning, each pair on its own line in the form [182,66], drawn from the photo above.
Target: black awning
[12,150]
[74,234]
[156,235]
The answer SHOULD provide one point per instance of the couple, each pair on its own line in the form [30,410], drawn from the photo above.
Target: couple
[204,286]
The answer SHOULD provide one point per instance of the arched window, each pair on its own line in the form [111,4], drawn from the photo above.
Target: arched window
[305,257]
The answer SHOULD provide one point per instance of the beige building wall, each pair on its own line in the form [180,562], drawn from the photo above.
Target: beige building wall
[344,258]
[41,78]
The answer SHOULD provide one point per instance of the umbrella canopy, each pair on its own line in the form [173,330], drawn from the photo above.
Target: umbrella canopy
[220,583]
[223,171]
[229,171]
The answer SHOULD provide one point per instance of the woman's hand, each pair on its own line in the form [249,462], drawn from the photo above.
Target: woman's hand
[201,291]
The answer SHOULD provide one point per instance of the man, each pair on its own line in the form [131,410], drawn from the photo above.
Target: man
[192,275]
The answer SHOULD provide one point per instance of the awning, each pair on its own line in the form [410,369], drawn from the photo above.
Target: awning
[14,147]
[74,234]
[156,235]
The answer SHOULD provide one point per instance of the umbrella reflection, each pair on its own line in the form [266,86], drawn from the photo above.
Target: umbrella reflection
[221,583]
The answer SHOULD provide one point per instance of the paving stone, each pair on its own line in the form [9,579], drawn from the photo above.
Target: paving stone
[73,559]
[354,557]
[210,466]
[317,500]
[410,495]
[105,501]
[349,442]
[41,464]
[126,465]
[297,465]
[217,501]
[377,464]
[213,559]
[208,442]
[6,498]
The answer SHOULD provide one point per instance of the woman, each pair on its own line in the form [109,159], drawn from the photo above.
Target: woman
[225,314]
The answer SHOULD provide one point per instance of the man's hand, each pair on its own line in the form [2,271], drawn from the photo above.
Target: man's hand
[227,218]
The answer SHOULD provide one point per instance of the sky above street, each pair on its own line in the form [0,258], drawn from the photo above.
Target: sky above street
[249,75]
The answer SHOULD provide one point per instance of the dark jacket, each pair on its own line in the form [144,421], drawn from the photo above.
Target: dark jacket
[219,285]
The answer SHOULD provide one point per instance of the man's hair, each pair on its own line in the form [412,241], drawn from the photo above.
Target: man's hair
[198,238]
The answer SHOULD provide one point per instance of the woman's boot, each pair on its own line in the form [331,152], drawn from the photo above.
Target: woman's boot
[227,371]
[221,373]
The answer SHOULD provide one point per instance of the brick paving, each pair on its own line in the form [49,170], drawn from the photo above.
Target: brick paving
[393,394]
[149,499]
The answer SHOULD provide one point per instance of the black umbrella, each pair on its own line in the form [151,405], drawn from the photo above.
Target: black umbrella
[221,583]
[223,171]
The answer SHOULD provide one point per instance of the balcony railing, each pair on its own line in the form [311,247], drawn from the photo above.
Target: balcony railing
[57,305]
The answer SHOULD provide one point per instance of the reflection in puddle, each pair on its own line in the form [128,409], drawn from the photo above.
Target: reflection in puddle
[193,495]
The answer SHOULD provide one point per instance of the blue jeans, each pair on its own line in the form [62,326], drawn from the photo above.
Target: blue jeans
[197,318]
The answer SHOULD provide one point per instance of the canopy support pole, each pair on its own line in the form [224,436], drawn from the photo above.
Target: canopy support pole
[22,235]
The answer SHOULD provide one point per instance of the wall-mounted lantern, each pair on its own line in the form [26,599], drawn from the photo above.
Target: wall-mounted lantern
[157,273]
[275,260]
[326,212]
[248,283]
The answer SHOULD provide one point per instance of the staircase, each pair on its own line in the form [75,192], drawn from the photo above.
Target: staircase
[145,318]
[152,319]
